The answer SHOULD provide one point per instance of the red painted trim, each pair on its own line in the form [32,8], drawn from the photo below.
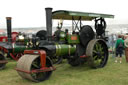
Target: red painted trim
[42,58]
[42,54]
[4,49]
[31,52]
[44,69]
[3,38]
[73,37]
[13,56]
[83,56]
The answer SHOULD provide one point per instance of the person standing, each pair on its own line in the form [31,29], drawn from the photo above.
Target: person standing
[57,33]
[119,47]
[126,46]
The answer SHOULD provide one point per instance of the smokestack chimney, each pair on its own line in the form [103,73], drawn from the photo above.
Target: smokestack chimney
[49,22]
[9,29]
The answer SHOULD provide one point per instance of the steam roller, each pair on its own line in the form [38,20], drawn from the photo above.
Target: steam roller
[32,66]
[80,46]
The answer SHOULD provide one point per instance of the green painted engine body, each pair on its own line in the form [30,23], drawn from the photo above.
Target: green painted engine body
[20,48]
[64,49]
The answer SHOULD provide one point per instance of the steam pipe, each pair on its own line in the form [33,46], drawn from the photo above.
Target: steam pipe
[9,29]
[49,22]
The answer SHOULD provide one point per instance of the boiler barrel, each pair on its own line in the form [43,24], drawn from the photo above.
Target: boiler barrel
[64,49]
[58,49]
[19,48]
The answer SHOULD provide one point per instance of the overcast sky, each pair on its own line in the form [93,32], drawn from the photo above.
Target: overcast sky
[31,13]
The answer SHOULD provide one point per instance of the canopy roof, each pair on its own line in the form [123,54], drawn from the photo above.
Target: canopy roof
[67,15]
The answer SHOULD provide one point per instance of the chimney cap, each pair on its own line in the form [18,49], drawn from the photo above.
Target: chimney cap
[48,8]
[8,18]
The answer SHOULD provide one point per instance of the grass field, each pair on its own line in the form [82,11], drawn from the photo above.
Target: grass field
[112,74]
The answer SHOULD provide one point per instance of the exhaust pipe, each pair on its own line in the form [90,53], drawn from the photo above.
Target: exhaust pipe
[9,29]
[49,22]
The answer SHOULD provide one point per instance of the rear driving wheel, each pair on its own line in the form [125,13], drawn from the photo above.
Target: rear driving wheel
[32,62]
[97,52]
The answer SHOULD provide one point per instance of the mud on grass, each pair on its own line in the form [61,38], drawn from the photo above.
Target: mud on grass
[112,74]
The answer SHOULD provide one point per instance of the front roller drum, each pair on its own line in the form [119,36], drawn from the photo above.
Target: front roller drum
[28,63]
[3,60]
[97,52]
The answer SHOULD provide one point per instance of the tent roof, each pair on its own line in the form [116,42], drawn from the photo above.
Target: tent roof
[67,15]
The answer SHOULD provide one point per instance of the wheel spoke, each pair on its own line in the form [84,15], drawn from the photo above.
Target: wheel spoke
[34,75]
[35,65]
[95,57]
[102,53]
[102,57]
[100,48]
[94,51]
[97,47]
